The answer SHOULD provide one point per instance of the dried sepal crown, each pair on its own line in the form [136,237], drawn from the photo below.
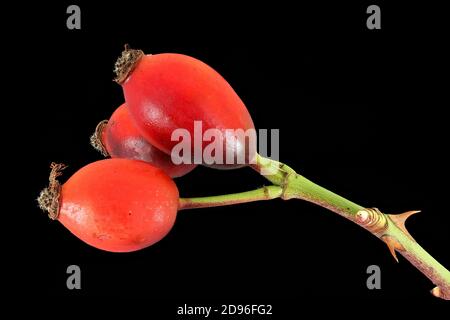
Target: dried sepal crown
[48,199]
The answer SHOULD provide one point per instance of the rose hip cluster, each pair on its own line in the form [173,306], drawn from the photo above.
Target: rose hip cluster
[129,202]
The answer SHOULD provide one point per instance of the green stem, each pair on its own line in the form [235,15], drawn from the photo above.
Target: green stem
[297,186]
[264,193]
[389,228]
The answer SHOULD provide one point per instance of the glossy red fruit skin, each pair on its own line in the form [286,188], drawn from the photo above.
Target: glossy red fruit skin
[169,91]
[119,205]
[122,139]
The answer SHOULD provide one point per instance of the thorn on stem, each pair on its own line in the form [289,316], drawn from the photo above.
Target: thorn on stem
[393,245]
[400,219]
[438,293]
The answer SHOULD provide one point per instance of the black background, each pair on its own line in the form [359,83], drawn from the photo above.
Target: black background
[360,111]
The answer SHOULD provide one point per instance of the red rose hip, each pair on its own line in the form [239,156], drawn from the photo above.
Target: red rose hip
[119,138]
[165,92]
[117,205]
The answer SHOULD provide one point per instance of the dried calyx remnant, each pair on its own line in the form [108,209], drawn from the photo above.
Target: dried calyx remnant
[96,138]
[48,199]
[126,63]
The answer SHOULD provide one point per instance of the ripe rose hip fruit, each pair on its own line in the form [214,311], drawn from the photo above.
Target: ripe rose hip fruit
[165,92]
[119,138]
[117,205]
